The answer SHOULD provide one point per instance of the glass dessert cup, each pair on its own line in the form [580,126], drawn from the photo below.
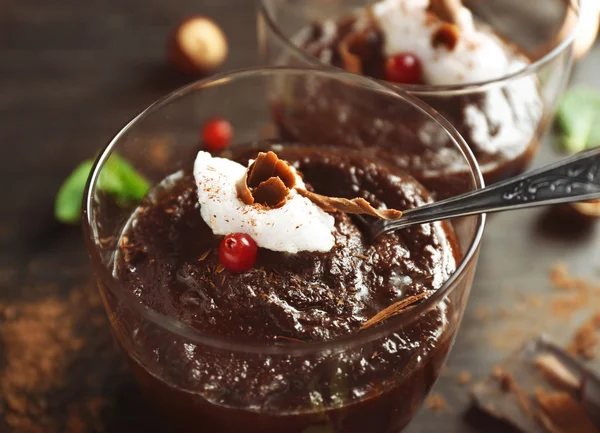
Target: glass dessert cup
[369,380]
[502,118]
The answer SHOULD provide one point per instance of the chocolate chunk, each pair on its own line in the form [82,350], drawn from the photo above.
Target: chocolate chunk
[562,413]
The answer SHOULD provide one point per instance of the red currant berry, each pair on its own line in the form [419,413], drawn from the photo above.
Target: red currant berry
[238,252]
[217,134]
[404,68]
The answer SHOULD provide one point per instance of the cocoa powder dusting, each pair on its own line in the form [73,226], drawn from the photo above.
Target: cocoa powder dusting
[42,345]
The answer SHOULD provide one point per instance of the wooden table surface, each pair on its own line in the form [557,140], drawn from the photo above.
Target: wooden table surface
[71,74]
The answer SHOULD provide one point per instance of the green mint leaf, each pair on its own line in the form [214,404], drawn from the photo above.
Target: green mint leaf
[67,206]
[579,119]
[117,177]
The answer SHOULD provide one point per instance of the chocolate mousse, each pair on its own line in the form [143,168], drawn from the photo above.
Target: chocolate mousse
[298,290]
[432,46]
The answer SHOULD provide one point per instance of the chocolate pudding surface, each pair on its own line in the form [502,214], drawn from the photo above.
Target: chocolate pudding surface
[500,123]
[168,259]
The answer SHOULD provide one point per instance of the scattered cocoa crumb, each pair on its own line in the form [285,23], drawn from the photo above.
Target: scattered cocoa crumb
[585,340]
[566,306]
[436,403]
[559,275]
[464,377]
[497,372]
[482,313]
[503,312]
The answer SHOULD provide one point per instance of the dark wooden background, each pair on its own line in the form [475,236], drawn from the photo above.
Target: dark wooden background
[71,74]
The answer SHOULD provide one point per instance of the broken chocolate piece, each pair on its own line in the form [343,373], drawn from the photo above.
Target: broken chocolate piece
[556,372]
[563,414]
[545,374]
[354,206]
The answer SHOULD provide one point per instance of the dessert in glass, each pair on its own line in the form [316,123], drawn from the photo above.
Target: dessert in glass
[493,68]
[246,293]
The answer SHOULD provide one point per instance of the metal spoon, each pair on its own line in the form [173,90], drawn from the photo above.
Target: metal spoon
[576,178]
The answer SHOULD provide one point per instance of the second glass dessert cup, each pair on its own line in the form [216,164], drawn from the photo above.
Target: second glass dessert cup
[369,380]
[501,118]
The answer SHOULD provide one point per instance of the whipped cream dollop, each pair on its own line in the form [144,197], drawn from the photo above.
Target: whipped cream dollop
[297,225]
[477,55]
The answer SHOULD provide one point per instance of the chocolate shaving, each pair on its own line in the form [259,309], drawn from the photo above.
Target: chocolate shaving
[354,206]
[267,181]
[446,10]
[394,309]
[446,35]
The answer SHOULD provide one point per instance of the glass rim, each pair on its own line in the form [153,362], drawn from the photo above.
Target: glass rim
[291,348]
[424,89]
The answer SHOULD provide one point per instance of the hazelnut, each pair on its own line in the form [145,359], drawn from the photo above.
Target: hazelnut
[197,46]
[586,211]
[589,209]
[587,31]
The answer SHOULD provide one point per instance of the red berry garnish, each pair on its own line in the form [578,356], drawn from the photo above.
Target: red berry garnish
[217,134]
[238,252]
[404,68]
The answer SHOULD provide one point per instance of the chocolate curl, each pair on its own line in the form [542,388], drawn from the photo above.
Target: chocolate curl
[446,35]
[446,10]
[349,53]
[267,181]
[354,206]
[394,309]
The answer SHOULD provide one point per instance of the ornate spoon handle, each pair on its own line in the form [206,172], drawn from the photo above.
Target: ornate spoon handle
[576,178]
